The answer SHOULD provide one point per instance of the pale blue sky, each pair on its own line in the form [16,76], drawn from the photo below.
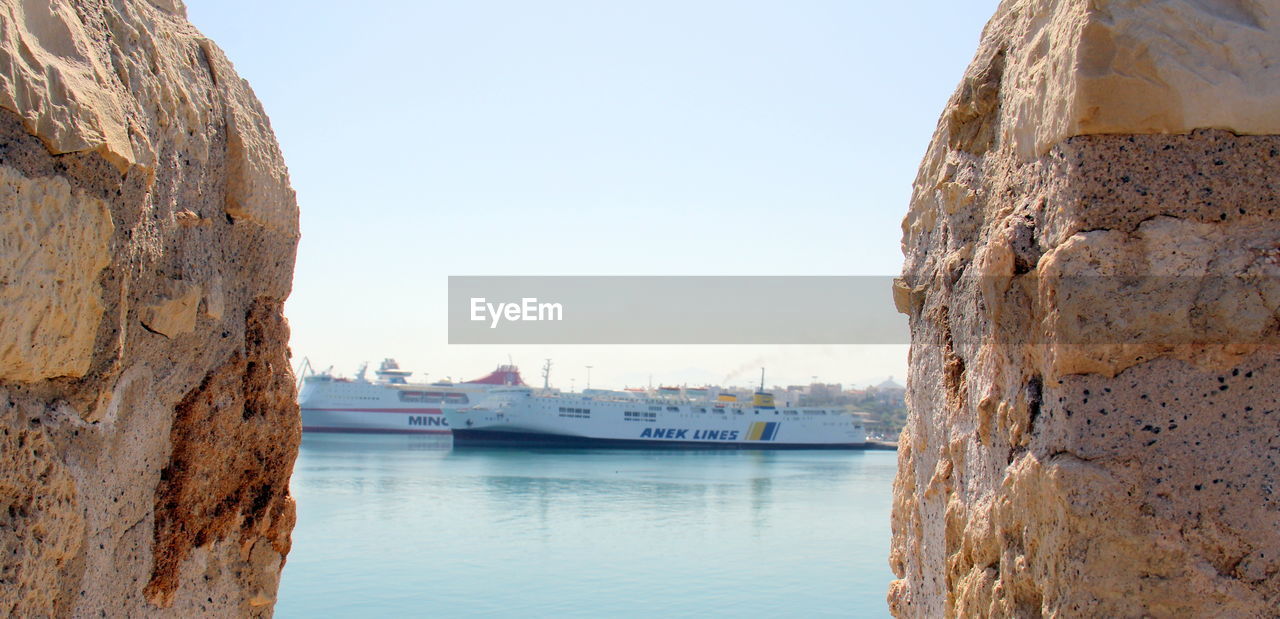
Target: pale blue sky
[483,137]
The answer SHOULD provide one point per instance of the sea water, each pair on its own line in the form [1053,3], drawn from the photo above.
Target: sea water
[410,526]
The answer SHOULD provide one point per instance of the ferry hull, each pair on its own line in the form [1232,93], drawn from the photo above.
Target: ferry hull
[384,421]
[495,438]
[521,418]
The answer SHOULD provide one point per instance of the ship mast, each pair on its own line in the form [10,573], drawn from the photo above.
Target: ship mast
[762,380]
[546,375]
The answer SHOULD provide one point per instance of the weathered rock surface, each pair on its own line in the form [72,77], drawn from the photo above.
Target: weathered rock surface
[147,239]
[1093,282]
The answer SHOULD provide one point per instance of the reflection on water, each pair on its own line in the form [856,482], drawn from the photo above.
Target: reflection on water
[377,444]
[405,525]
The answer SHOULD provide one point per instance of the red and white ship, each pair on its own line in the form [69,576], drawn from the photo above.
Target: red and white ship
[390,403]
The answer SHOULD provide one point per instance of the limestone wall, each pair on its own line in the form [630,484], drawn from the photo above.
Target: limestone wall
[147,238]
[1092,278]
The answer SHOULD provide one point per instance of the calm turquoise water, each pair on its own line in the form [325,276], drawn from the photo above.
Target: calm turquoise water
[406,526]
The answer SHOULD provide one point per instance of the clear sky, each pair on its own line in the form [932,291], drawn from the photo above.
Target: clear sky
[591,137]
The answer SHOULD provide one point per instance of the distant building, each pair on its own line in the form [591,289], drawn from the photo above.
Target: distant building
[888,392]
[890,385]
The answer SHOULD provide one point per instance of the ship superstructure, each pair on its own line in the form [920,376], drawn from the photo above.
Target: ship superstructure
[390,403]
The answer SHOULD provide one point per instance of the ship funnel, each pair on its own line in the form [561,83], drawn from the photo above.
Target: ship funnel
[762,400]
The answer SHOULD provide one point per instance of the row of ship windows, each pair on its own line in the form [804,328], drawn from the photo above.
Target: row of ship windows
[634,416]
[569,411]
[736,411]
[435,397]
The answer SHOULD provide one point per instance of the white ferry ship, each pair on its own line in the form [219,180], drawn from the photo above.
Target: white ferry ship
[520,416]
[390,403]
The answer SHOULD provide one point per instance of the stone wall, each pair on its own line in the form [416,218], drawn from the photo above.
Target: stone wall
[1092,278]
[147,237]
